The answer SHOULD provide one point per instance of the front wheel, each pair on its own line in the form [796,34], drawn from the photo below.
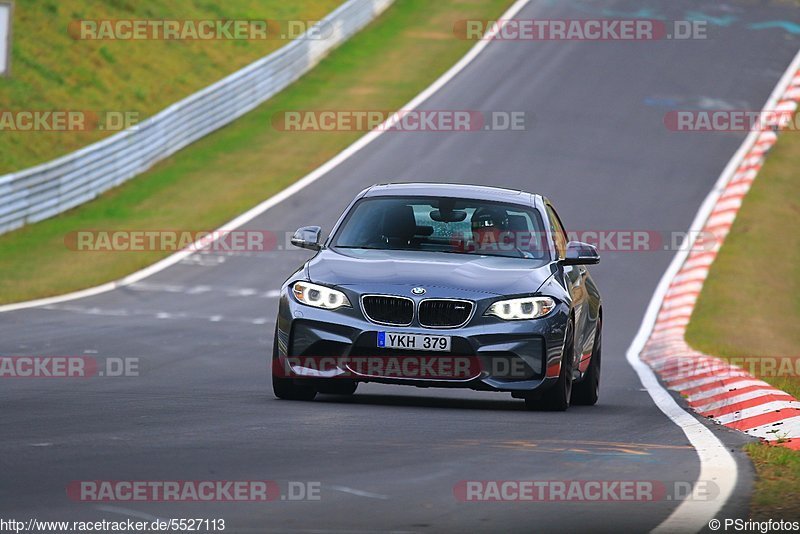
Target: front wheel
[557,398]
[286,388]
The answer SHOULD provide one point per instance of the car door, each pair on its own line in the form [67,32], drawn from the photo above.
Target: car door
[575,279]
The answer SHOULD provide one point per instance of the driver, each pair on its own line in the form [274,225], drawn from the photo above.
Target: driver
[489,227]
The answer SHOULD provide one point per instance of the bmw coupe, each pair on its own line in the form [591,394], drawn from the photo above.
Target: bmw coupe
[442,285]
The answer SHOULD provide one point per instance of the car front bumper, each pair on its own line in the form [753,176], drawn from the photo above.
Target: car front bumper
[513,356]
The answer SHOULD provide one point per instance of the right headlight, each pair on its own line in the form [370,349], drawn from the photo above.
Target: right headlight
[522,308]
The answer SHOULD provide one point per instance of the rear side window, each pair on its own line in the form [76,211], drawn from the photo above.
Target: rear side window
[559,235]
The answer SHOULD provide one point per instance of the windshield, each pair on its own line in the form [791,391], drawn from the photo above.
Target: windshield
[451,225]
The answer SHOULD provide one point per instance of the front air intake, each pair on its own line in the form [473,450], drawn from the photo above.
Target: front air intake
[444,313]
[388,310]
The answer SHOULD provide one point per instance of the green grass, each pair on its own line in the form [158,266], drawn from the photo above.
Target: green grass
[749,308]
[52,71]
[777,493]
[226,173]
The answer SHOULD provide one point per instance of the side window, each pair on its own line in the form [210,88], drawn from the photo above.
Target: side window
[559,235]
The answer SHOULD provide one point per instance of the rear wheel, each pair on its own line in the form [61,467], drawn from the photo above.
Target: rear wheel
[587,391]
[557,398]
[286,388]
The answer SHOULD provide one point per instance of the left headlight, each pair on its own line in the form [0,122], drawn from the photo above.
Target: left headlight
[319,296]
[522,308]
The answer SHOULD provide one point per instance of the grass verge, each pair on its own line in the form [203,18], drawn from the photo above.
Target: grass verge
[777,494]
[226,173]
[51,70]
[749,309]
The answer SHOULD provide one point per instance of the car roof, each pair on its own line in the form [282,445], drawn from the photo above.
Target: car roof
[432,189]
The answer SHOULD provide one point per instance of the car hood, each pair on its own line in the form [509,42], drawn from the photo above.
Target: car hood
[380,268]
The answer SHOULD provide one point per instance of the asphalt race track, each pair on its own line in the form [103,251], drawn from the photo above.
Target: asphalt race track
[388,458]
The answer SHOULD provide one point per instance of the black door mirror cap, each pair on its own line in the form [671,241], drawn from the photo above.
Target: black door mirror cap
[307,237]
[579,253]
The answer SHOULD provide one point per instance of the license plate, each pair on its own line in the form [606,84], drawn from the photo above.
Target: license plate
[396,340]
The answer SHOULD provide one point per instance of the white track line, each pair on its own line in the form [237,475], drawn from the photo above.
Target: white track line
[360,493]
[716,463]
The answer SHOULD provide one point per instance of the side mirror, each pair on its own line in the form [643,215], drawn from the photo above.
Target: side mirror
[307,237]
[581,254]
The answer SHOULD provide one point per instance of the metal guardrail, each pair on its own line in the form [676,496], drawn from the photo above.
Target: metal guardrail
[45,190]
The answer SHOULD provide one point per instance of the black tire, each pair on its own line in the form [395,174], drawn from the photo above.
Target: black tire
[587,391]
[337,386]
[286,388]
[557,398]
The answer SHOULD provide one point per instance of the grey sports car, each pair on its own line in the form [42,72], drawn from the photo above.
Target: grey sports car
[442,285]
